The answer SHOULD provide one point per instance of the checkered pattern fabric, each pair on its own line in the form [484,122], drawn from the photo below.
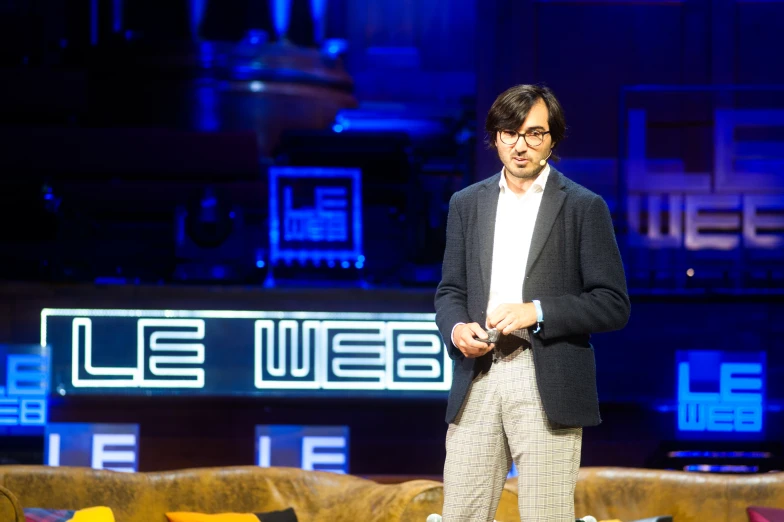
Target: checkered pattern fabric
[48,515]
[502,420]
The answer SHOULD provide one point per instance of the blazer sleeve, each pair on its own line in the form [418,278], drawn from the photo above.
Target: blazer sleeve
[603,305]
[451,300]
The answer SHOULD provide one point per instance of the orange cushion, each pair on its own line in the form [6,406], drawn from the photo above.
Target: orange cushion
[94,514]
[184,516]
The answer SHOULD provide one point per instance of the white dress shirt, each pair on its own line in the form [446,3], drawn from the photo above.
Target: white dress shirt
[514,227]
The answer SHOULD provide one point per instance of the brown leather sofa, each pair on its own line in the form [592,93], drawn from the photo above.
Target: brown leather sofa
[146,497]
[631,494]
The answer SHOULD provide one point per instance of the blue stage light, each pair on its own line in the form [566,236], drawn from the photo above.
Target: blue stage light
[334,46]
[281,15]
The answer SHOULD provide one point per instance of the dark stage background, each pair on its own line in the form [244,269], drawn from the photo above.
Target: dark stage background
[291,156]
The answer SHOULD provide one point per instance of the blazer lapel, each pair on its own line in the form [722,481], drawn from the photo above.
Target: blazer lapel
[552,201]
[487,204]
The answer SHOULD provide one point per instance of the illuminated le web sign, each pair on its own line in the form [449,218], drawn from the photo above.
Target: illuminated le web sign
[315,216]
[313,448]
[98,446]
[721,392]
[236,352]
[24,380]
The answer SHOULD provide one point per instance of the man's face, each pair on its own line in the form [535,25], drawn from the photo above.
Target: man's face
[520,159]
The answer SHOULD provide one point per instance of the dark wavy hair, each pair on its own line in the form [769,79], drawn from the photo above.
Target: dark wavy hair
[512,106]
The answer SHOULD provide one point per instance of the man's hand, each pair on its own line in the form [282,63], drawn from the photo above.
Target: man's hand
[464,338]
[510,317]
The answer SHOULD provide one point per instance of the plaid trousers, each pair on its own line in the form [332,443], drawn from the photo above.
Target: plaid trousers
[502,420]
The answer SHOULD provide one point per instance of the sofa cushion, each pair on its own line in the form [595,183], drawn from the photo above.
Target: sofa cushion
[765,514]
[188,516]
[285,515]
[48,515]
[93,514]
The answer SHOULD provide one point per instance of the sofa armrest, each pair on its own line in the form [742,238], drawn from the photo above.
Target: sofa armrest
[10,509]
[424,497]
[370,502]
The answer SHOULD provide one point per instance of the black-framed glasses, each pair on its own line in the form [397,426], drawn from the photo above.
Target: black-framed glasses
[532,138]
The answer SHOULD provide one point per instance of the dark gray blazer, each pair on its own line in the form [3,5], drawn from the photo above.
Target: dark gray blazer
[574,269]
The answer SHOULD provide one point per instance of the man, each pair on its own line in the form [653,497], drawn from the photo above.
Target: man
[532,254]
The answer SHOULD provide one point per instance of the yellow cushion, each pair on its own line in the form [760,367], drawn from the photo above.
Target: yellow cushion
[94,514]
[184,516]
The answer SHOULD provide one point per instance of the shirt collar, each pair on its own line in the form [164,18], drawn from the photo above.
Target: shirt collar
[537,186]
